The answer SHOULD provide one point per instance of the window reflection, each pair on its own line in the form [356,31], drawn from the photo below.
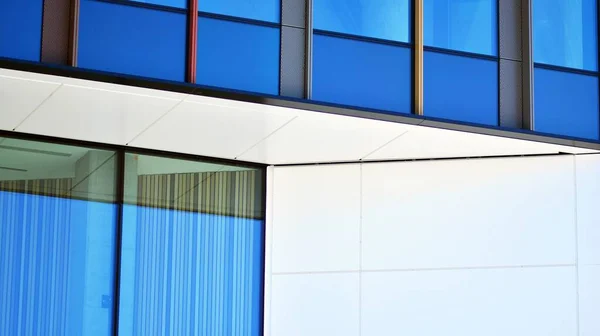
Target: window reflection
[564,33]
[384,19]
[57,220]
[463,25]
[192,248]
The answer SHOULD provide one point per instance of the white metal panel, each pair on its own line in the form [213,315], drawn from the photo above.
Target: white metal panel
[315,305]
[490,302]
[589,300]
[425,142]
[468,213]
[316,218]
[21,96]
[100,115]
[588,208]
[211,130]
[319,137]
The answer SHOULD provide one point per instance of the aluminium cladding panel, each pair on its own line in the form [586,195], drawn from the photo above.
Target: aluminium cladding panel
[293,13]
[132,40]
[509,22]
[470,302]
[21,29]
[488,213]
[292,62]
[511,93]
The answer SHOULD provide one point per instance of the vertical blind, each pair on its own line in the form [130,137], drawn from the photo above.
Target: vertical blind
[198,254]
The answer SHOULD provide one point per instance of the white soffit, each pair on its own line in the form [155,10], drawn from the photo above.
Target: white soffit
[154,119]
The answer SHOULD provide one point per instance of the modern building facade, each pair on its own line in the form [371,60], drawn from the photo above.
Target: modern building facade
[299,167]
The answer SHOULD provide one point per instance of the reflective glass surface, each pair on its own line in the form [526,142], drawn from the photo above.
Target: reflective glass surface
[57,242]
[21,29]
[170,3]
[460,88]
[132,40]
[362,74]
[464,25]
[564,33]
[566,104]
[264,10]
[192,260]
[238,56]
[384,19]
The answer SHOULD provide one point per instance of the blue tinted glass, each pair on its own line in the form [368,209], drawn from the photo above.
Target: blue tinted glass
[57,239]
[460,88]
[264,10]
[363,74]
[132,40]
[238,56]
[564,33]
[464,25]
[385,19]
[566,104]
[21,29]
[170,3]
[191,260]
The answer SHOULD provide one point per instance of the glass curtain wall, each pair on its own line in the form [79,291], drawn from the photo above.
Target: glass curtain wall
[191,245]
[192,252]
[362,53]
[57,223]
[565,52]
[460,61]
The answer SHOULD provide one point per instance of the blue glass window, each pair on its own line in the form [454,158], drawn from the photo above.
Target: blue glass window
[363,74]
[238,56]
[263,10]
[131,40]
[57,241]
[566,104]
[564,33]
[192,261]
[169,3]
[460,88]
[384,19]
[21,29]
[463,25]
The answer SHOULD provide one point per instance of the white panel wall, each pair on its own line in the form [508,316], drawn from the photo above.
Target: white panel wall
[588,228]
[456,247]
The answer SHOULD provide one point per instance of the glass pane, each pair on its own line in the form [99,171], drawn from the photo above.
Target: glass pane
[238,56]
[363,74]
[264,10]
[57,222]
[564,33]
[192,260]
[460,88]
[384,19]
[170,3]
[566,104]
[132,40]
[21,29]
[464,25]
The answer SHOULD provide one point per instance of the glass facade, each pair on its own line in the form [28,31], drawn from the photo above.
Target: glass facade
[191,245]
[57,239]
[362,55]
[462,25]
[565,50]
[460,64]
